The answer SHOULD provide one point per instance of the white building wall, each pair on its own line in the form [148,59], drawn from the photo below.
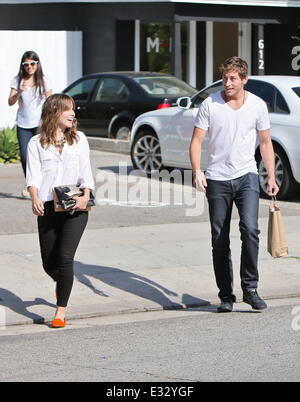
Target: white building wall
[60,53]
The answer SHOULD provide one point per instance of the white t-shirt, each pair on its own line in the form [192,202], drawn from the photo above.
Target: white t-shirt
[46,168]
[232,135]
[30,104]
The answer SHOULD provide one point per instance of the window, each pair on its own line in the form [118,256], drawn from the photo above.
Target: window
[112,90]
[297,91]
[264,90]
[270,94]
[281,105]
[83,89]
[201,96]
[169,86]
[156,47]
[273,98]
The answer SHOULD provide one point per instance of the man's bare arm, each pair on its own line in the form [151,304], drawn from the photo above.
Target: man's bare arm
[195,157]
[267,154]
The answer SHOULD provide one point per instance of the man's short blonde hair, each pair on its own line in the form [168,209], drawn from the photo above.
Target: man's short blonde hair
[235,64]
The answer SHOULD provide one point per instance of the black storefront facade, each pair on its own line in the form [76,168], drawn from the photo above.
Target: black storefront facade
[187,39]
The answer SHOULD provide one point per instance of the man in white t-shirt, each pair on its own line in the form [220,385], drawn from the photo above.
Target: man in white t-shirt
[232,119]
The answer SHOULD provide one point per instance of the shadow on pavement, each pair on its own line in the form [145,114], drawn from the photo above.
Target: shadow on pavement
[125,169]
[8,195]
[15,303]
[132,283]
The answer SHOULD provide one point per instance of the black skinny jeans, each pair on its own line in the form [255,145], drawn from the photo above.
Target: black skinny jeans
[59,235]
[244,192]
[24,136]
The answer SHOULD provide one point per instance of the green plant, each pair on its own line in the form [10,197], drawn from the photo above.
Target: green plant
[9,147]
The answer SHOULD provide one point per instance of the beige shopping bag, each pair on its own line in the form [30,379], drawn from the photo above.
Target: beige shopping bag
[277,243]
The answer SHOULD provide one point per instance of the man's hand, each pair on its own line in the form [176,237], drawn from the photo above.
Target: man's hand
[272,188]
[199,181]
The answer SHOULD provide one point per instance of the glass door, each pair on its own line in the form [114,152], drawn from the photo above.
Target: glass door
[225,44]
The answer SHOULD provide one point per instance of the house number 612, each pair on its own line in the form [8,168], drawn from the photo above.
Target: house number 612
[261,47]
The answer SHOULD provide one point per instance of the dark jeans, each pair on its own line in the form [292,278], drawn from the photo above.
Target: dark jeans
[244,192]
[24,135]
[59,235]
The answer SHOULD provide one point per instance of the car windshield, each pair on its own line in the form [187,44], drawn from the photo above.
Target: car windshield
[204,93]
[165,86]
[297,91]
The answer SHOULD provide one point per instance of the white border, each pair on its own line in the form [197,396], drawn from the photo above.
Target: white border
[266,3]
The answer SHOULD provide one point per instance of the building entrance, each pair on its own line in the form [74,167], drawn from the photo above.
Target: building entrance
[223,40]
[225,44]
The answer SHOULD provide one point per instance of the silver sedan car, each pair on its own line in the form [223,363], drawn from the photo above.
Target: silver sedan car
[161,138]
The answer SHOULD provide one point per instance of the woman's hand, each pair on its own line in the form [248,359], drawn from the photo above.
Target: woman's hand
[23,87]
[37,206]
[14,94]
[81,202]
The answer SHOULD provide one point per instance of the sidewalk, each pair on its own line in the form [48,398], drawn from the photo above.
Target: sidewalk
[135,269]
[109,145]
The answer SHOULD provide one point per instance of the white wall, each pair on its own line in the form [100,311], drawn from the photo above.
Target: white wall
[60,53]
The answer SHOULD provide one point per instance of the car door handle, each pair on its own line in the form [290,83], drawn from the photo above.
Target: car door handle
[81,107]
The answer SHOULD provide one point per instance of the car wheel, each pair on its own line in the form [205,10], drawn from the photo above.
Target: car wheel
[146,152]
[283,175]
[122,130]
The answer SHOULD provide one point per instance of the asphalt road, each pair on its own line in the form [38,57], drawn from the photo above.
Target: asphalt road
[16,215]
[171,346]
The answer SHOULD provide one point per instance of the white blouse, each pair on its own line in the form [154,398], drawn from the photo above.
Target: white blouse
[46,168]
[30,104]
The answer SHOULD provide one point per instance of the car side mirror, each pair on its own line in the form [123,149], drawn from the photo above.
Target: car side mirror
[184,103]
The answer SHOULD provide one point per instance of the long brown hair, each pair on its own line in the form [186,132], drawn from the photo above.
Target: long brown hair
[53,107]
[38,75]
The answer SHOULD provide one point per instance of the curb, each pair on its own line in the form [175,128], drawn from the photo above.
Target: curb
[109,145]
[118,311]
[131,309]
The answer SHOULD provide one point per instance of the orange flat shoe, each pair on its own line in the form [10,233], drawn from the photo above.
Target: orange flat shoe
[58,323]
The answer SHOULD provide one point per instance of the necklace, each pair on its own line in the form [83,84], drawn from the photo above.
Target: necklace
[244,97]
[60,142]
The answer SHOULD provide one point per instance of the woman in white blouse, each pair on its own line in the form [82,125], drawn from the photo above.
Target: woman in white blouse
[29,88]
[59,155]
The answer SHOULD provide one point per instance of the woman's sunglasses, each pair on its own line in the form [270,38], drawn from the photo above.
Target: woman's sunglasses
[29,63]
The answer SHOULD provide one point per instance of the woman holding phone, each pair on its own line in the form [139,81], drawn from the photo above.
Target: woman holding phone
[59,155]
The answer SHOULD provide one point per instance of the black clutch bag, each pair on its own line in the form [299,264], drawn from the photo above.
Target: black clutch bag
[65,198]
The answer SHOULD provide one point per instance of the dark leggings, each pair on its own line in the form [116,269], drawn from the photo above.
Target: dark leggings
[59,235]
